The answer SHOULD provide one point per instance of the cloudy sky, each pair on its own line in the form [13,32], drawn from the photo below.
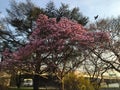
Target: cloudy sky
[90,8]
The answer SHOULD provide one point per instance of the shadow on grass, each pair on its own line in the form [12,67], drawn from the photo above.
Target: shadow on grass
[22,88]
[30,88]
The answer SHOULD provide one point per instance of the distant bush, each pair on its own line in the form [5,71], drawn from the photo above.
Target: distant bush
[73,82]
[3,87]
[3,83]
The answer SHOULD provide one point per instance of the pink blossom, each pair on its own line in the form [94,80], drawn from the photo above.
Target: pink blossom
[52,36]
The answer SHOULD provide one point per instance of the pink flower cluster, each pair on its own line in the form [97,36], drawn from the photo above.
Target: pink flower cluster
[50,35]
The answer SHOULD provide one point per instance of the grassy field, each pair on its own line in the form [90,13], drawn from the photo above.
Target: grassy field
[30,88]
[22,88]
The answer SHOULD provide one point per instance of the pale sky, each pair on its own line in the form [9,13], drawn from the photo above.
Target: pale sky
[90,8]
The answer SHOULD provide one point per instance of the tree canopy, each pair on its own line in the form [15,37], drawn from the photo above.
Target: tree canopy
[54,40]
[21,17]
[53,43]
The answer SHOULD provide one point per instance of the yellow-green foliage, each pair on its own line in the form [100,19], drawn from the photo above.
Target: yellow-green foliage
[4,81]
[73,82]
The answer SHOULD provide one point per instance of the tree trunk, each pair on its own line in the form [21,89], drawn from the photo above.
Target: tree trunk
[62,85]
[18,81]
[36,82]
[12,80]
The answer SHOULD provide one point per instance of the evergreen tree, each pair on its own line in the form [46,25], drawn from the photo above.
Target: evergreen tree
[22,16]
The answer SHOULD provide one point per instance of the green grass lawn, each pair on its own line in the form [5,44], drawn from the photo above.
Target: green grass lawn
[22,88]
[29,88]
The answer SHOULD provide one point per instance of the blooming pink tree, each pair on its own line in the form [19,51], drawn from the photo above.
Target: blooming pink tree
[55,47]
